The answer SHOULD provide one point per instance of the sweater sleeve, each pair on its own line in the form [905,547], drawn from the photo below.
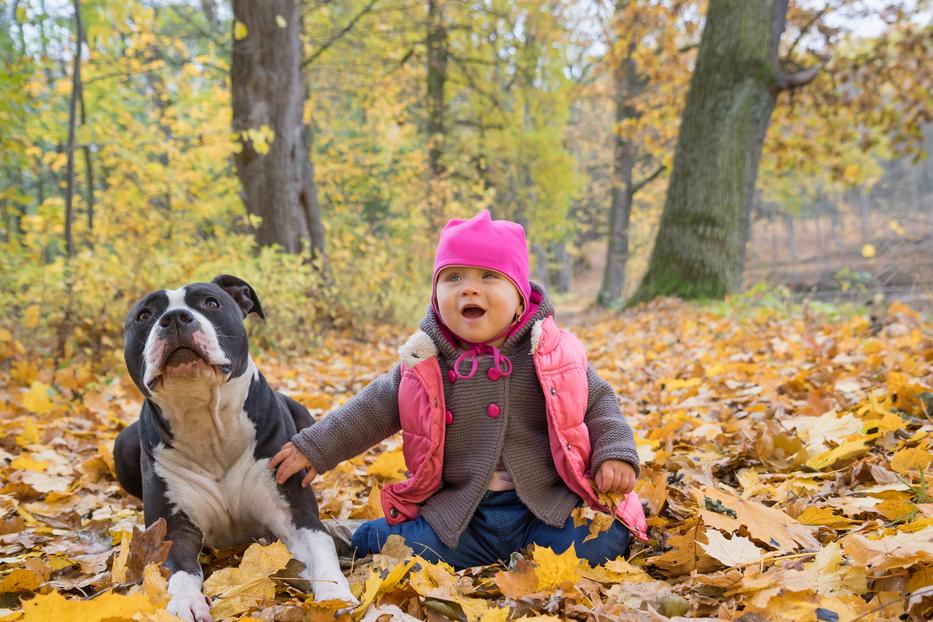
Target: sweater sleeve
[369,417]
[610,434]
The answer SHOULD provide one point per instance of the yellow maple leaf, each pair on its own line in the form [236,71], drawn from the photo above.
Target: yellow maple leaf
[556,571]
[21,580]
[913,458]
[37,399]
[110,606]
[237,590]
[846,452]
[824,516]
[27,463]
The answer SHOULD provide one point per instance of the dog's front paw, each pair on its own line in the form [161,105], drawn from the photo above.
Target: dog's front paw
[190,607]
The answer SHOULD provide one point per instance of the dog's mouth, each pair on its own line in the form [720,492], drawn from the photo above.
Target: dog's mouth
[472,312]
[185,362]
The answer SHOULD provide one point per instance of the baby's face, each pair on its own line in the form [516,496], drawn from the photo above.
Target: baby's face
[477,304]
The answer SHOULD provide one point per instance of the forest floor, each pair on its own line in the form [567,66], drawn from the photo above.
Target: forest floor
[786,455]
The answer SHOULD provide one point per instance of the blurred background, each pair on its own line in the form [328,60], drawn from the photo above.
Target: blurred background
[315,148]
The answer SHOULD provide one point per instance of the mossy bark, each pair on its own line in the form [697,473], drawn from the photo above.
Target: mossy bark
[699,247]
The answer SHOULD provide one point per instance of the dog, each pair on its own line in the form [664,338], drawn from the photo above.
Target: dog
[198,455]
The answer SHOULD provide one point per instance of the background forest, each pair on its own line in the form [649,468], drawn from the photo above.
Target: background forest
[147,156]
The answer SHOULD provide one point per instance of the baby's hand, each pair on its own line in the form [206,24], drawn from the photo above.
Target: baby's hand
[616,476]
[290,460]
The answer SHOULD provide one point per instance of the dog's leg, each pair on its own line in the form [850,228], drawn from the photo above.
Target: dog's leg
[315,549]
[184,586]
[302,532]
[126,460]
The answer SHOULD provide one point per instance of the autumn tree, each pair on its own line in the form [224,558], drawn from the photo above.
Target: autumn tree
[273,162]
[699,247]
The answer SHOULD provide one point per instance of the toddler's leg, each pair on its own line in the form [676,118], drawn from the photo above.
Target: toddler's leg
[420,536]
[606,546]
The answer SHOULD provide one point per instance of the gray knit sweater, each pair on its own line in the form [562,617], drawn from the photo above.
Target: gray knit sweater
[475,442]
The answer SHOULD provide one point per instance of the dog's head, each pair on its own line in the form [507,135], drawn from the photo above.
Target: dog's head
[195,333]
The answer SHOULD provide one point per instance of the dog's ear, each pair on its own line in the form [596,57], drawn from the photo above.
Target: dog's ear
[241,291]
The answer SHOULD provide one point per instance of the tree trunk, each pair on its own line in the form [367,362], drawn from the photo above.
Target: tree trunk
[72,122]
[436,81]
[268,92]
[563,273]
[699,247]
[623,163]
[791,242]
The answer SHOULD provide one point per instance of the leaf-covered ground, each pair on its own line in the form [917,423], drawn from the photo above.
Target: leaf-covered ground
[786,459]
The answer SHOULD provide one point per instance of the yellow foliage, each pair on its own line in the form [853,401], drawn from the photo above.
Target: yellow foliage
[109,607]
[237,590]
[556,571]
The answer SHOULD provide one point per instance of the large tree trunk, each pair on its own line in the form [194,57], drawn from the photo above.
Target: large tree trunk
[436,82]
[268,90]
[699,248]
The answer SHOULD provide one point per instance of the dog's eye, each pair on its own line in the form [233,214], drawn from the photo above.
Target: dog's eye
[211,303]
[143,315]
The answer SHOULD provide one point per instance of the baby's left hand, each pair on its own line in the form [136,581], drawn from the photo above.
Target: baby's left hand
[616,476]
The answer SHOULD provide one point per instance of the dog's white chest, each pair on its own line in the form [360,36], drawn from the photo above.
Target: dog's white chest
[229,508]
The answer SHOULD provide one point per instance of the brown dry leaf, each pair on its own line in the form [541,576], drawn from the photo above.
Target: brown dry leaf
[769,525]
[519,582]
[143,547]
[900,550]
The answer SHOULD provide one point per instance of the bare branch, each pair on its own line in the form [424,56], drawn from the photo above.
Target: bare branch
[366,9]
[647,180]
[797,79]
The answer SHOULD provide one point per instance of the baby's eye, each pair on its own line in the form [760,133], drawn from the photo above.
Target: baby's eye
[453,276]
[490,275]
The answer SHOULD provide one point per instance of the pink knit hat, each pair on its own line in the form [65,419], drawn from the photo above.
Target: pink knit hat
[482,242]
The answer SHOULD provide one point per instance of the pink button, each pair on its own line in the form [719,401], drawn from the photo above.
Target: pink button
[494,374]
[492,410]
[451,376]
[450,417]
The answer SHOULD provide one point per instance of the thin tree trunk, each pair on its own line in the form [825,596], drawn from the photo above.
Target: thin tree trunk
[436,82]
[89,175]
[791,241]
[268,92]
[699,248]
[612,288]
[72,121]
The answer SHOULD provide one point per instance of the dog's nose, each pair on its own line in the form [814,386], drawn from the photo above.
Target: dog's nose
[177,317]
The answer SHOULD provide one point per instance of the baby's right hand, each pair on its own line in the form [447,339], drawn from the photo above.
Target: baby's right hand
[289,461]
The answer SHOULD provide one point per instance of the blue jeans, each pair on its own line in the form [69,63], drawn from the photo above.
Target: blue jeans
[501,525]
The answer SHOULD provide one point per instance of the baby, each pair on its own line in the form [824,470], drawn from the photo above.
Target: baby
[503,420]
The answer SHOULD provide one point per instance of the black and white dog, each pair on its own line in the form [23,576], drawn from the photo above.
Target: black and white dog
[198,455]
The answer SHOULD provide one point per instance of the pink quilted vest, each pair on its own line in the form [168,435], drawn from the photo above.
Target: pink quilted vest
[560,363]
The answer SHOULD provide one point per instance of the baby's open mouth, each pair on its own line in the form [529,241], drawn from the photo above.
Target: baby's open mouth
[473,311]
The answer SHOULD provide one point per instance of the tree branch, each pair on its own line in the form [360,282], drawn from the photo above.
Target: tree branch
[797,79]
[647,180]
[366,9]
